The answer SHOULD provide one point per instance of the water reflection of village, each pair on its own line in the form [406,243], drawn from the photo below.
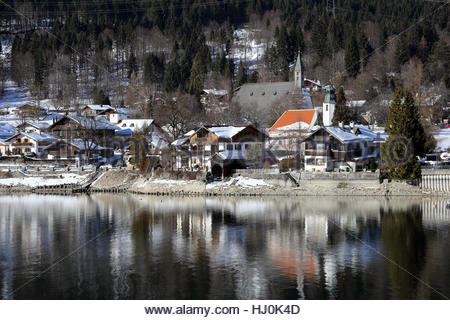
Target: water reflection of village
[192,248]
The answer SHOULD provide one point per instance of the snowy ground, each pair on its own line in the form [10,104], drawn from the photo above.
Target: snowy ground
[14,96]
[242,182]
[247,48]
[65,178]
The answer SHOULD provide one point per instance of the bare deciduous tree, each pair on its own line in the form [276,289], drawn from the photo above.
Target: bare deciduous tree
[178,112]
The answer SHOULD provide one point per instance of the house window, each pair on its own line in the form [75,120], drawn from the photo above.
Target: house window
[321,146]
[229,147]
[310,161]
[237,147]
[326,107]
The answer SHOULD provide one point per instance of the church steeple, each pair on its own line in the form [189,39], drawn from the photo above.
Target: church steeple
[298,72]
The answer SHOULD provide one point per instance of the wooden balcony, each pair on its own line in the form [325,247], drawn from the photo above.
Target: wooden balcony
[22,144]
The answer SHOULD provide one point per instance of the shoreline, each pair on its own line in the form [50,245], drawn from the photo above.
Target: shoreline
[280,185]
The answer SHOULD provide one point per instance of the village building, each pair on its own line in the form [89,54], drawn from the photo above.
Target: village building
[118,115]
[157,137]
[4,148]
[214,99]
[312,85]
[76,127]
[292,126]
[345,148]
[77,150]
[93,110]
[220,149]
[34,126]
[29,143]
[266,95]
[28,111]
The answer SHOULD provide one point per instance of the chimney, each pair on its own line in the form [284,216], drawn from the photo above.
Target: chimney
[352,124]
[341,124]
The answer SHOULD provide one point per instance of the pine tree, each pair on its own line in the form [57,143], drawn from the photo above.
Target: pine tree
[153,69]
[351,57]
[407,138]
[171,76]
[101,98]
[229,69]
[341,111]
[241,76]
[319,38]
[401,52]
[197,76]
[149,108]
[365,49]
[132,65]
[253,77]
[446,81]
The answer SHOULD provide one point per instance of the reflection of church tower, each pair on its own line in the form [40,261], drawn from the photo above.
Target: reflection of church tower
[329,103]
[298,72]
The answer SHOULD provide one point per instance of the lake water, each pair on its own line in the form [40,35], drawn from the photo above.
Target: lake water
[141,247]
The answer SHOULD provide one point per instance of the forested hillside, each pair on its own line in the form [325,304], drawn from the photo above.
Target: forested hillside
[134,50]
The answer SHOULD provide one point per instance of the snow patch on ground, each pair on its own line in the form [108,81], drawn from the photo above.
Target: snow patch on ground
[29,181]
[169,182]
[240,181]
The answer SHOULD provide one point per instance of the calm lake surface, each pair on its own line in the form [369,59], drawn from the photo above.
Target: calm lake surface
[140,247]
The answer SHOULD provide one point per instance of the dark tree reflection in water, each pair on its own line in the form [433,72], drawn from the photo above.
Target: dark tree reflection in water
[405,243]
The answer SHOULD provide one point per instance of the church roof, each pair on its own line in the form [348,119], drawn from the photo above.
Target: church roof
[265,95]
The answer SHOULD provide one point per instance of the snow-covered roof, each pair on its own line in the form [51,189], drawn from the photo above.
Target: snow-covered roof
[43,137]
[355,103]
[346,134]
[97,123]
[134,124]
[295,126]
[41,125]
[182,140]
[77,143]
[83,145]
[229,155]
[6,130]
[216,92]
[314,82]
[53,116]
[226,132]
[99,107]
